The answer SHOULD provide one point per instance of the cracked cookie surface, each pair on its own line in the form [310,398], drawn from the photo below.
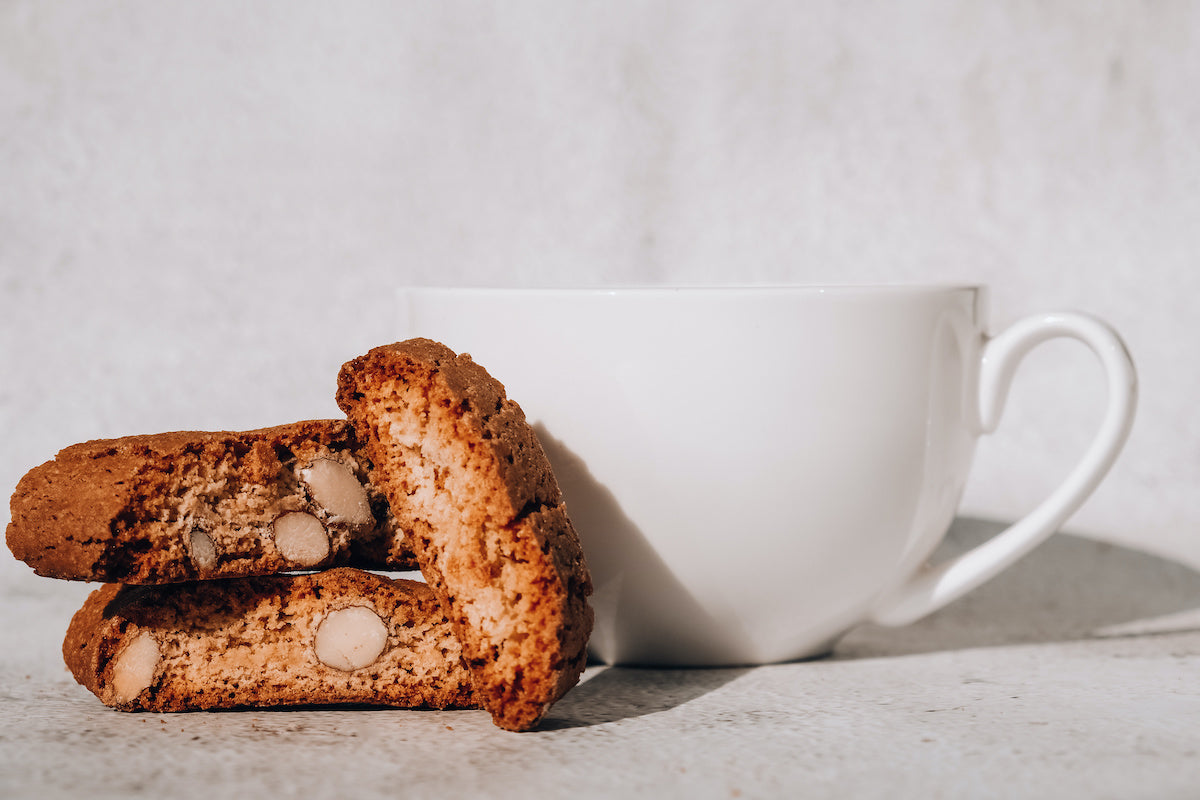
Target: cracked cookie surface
[465,475]
[189,505]
[334,637]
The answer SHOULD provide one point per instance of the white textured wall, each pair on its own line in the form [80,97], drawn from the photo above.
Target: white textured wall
[204,206]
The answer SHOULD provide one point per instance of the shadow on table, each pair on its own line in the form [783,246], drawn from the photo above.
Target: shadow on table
[1069,588]
[617,693]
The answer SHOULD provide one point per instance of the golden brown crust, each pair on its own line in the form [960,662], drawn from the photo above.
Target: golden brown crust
[522,468]
[81,652]
[135,509]
[251,642]
[466,476]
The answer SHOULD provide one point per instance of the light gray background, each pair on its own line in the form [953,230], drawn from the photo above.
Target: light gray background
[205,208]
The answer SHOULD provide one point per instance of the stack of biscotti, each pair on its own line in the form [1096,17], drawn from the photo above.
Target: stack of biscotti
[236,564]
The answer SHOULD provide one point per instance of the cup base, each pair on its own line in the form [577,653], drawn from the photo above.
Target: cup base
[690,661]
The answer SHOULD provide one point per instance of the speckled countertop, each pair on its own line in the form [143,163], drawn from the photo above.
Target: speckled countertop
[1076,674]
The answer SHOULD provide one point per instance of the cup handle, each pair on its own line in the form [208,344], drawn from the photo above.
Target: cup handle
[936,585]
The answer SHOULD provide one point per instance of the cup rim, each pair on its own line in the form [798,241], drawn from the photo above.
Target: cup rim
[699,289]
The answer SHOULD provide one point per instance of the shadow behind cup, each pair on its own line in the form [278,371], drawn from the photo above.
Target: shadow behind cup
[1069,588]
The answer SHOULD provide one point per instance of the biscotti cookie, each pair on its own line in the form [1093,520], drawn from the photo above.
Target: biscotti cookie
[467,478]
[334,637]
[182,506]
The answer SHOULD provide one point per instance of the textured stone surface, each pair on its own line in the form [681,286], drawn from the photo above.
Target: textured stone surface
[973,702]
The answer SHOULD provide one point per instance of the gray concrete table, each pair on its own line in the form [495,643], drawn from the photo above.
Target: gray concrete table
[1076,674]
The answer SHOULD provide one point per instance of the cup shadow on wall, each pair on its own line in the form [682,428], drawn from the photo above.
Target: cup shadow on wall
[1070,588]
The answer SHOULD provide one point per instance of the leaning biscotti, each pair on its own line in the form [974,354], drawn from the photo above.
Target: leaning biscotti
[467,478]
[334,637]
[169,507]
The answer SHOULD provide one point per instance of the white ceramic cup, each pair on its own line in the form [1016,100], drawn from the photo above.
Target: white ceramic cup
[754,471]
